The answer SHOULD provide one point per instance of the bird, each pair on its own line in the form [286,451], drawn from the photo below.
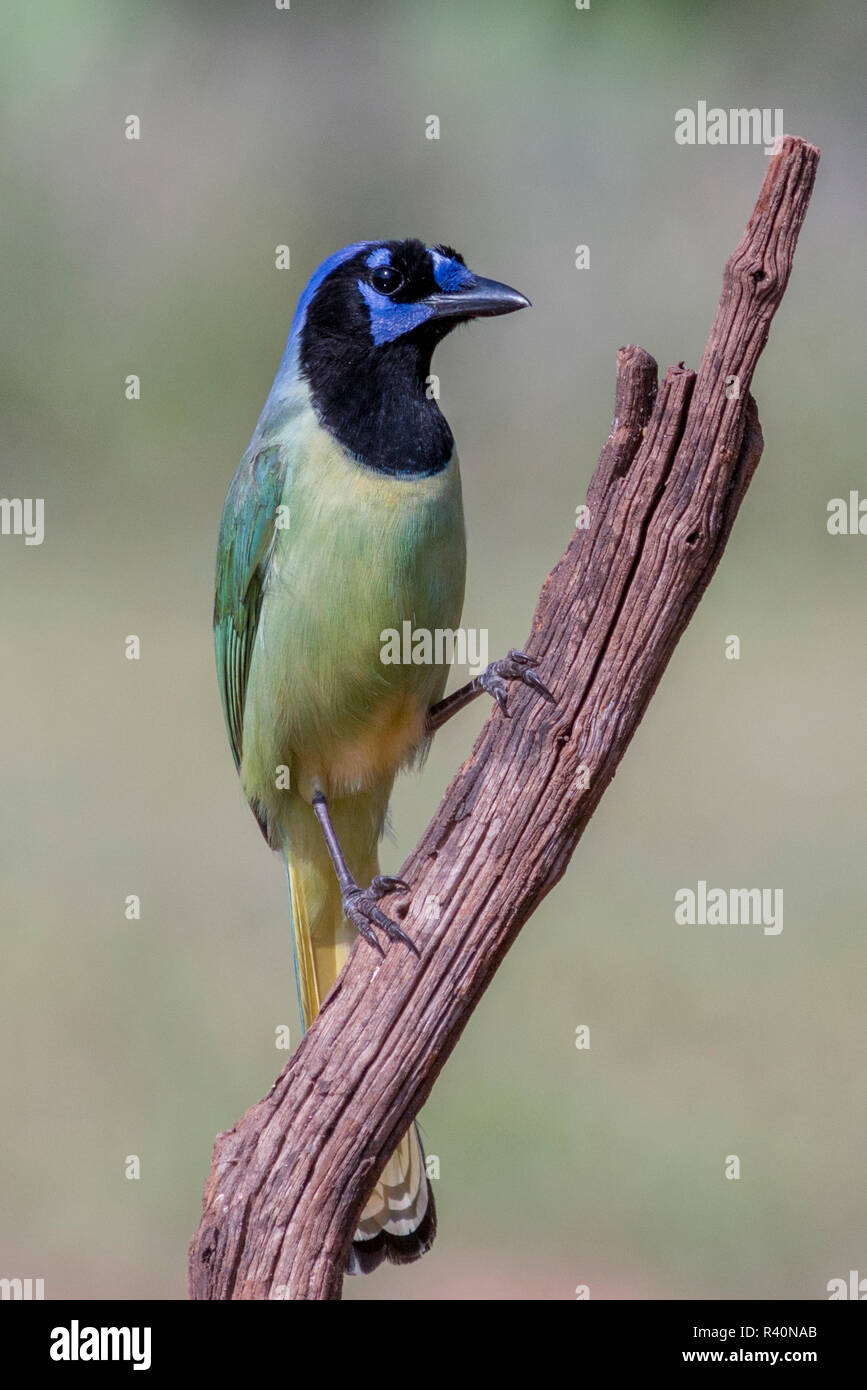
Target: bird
[343,520]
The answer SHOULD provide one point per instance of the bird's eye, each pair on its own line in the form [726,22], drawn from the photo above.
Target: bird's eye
[386,279]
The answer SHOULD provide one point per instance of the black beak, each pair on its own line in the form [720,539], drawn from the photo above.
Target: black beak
[484,299]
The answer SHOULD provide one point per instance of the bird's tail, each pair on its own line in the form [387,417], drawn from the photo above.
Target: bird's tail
[399,1221]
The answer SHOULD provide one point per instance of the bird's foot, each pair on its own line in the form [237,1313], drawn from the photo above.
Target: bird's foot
[359,905]
[517,666]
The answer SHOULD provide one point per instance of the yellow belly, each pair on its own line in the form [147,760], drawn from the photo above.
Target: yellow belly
[376,753]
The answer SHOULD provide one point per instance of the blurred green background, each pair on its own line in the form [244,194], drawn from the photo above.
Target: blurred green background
[260,127]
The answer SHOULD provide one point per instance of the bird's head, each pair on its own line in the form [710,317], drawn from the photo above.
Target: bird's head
[362,339]
[382,294]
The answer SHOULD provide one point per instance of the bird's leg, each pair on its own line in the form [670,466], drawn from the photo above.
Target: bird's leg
[494,680]
[359,904]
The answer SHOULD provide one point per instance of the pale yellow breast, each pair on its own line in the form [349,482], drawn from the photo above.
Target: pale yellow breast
[360,553]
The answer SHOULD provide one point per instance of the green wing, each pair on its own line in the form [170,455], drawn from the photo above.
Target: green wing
[243,556]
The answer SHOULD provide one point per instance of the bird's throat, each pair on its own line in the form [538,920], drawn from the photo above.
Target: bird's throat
[379,404]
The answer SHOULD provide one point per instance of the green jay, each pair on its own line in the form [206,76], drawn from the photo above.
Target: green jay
[343,520]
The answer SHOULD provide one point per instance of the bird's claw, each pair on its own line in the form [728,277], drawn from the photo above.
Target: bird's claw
[517,666]
[359,905]
[383,884]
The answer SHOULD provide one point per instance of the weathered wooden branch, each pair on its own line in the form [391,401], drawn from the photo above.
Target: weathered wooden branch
[290,1179]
